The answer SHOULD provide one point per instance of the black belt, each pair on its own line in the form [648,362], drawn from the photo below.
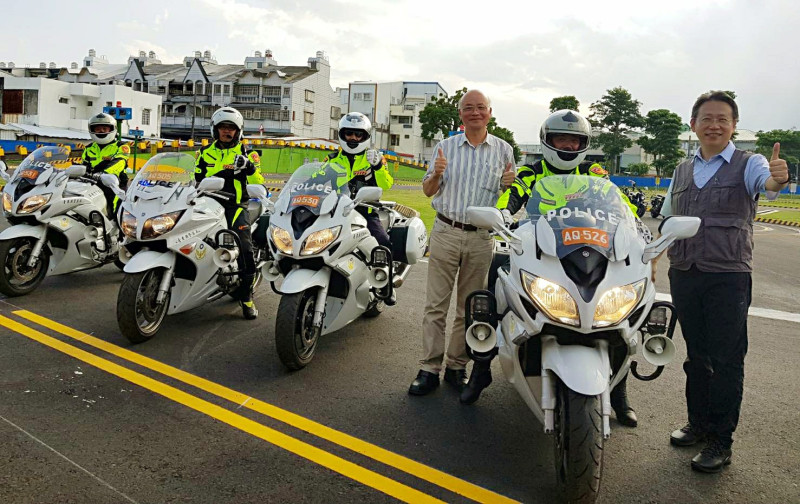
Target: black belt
[459,225]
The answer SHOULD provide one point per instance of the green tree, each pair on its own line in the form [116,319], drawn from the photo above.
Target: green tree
[790,147]
[638,168]
[616,114]
[662,128]
[504,134]
[440,115]
[564,102]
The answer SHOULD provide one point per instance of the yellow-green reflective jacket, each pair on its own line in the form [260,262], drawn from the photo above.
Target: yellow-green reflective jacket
[110,158]
[214,161]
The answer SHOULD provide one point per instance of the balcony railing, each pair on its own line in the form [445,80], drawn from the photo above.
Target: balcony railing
[272,100]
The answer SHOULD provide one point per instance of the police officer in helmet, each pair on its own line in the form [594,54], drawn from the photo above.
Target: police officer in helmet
[362,167]
[106,155]
[226,157]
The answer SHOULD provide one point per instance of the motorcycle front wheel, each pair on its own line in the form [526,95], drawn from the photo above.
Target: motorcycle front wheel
[295,335]
[578,445]
[138,314]
[16,277]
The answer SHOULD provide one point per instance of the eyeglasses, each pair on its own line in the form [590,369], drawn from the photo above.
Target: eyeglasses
[470,109]
[722,121]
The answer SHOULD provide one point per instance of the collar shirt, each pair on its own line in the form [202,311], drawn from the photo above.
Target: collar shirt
[756,174]
[473,175]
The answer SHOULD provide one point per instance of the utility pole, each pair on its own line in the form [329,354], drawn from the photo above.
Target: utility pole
[194,103]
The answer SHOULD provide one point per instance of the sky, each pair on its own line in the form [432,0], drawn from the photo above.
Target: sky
[664,54]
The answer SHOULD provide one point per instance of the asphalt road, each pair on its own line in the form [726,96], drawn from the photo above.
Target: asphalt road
[205,412]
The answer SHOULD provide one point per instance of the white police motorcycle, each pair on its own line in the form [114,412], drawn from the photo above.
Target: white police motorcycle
[333,269]
[178,251]
[58,221]
[568,312]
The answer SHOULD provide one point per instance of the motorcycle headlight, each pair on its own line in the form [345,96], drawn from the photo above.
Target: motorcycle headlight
[282,239]
[319,240]
[615,304]
[160,224]
[33,203]
[552,299]
[7,202]
[128,224]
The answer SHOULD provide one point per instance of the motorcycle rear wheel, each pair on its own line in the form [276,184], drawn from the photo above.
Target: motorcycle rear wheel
[138,314]
[295,336]
[16,278]
[578,445]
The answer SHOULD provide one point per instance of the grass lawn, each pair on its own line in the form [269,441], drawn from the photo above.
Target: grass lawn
[788,215]
[416,200]
[782,202]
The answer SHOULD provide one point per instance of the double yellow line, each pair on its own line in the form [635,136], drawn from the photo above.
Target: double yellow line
[342,466]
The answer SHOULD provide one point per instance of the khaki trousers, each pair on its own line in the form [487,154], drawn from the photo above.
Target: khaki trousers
[454,252]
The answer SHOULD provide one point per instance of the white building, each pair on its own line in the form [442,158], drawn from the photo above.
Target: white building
[58,105]
[393,108]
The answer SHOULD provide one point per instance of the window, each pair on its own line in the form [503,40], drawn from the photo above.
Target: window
[287,93]
[428,143]
[308,118]
[407,137]
[63,100]
[309,96]
[334,134]
[285,115]
[358,96]
[226,89]
[248,114]
[336,112]
[367,96]
[394,140]
[217,89]
[406,119]
[247,90]
[109,104]
[272,91]
[145,117]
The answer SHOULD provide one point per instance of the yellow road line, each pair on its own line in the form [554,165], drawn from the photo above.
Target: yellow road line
[305,450]
[429,474]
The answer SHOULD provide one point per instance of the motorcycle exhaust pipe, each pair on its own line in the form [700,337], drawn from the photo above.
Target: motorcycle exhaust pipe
[400,276]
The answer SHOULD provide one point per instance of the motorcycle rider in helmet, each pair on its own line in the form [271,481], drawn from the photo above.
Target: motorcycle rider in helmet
[565,138]
[106,154]
[226,157]
[361,167]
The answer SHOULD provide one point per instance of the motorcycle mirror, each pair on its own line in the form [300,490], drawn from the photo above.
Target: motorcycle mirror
[485,217]
[545,237]
[679,227]
[210,184]
[256,191]
[368,194]
[4,171]
[109,180]
[76,171]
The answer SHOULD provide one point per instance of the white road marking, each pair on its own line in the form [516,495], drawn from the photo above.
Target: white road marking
[9,422]
[754,311]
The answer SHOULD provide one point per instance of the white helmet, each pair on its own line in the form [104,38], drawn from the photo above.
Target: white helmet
[565,122]
[103,120]
[358,122]
[229,115]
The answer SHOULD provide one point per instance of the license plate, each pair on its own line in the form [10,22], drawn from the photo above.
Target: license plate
[29,174]
[307,201]
[585,236]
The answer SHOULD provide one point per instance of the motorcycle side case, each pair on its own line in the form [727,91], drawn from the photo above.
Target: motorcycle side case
[409,240]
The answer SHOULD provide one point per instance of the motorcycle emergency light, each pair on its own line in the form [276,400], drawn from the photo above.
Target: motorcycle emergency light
[282,240]
[552,299]
[319,240]
[617,303]
[33,203]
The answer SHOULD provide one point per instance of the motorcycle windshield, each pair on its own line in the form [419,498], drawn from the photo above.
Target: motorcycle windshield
[171,169]
[43,160]
[310,184]
[583,211]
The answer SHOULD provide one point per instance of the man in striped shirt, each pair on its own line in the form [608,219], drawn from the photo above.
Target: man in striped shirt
[470,169]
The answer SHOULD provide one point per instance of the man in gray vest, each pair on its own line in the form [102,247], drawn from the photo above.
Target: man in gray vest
[710,274]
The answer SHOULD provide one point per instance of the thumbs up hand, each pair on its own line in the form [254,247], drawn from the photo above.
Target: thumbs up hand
[777,166]
[508,175]
[441,163]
